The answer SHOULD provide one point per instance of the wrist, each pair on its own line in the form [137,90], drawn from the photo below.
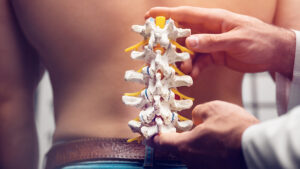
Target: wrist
[286,52]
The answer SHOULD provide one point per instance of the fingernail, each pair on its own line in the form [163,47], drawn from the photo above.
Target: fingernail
[192,42]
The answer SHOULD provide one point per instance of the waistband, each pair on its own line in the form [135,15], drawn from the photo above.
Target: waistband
[92,149]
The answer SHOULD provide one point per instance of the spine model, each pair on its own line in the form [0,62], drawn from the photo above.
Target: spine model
[159,101]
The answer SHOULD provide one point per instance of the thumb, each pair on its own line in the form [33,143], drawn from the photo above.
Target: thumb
[169,141]
[208,43]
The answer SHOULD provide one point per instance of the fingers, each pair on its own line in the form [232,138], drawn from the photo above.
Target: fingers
[209,43]
[166,140]
[201,62]
[170,141]
[186,66]
[197,115]
[159,11]
[187,14]
[202,112]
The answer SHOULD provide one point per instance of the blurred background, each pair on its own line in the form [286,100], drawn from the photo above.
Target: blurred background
[258,99]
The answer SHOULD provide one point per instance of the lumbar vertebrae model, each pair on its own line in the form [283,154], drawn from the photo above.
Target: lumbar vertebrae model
[159,101]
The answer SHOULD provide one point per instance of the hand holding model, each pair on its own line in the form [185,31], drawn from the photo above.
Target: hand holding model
[241,43]
[216,140]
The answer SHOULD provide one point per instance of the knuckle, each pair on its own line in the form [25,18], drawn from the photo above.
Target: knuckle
[217,104]
[210,39]
[201,111]
[213,105]
[198,109]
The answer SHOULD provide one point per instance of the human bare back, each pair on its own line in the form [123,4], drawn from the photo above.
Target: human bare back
[81,45]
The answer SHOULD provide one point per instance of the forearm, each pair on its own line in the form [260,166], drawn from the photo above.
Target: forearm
[18,137]
[273,144]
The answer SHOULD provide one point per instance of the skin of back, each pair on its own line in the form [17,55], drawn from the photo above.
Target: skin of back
[19,76]
[82,46]
[288,14]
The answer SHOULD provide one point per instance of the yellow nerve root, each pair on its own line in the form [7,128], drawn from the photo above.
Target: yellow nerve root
[183,49]
[137,119]
[160,21]
[177,70]
[136,46]
[141,69]
[181,118]
[139,139]
[181,95]
[134,94]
